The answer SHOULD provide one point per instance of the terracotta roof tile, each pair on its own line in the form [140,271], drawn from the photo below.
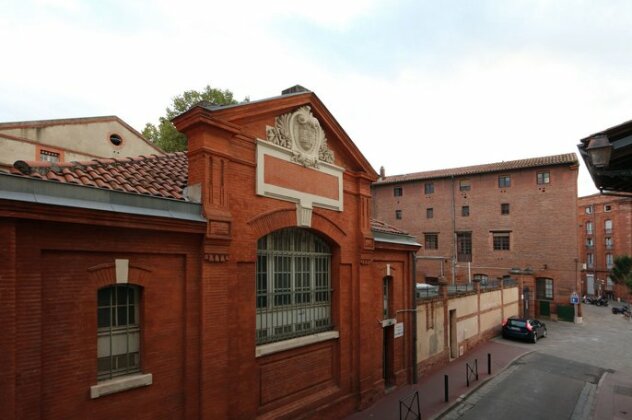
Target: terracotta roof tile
[379,226]
[555,160]
[160,176]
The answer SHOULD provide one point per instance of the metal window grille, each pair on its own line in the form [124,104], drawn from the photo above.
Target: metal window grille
[464,246]
[431,241]
[504,181]
[293,285]
[118,332]
[47,156]
[501,241]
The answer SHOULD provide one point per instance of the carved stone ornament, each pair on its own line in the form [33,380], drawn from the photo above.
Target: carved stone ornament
[301,133]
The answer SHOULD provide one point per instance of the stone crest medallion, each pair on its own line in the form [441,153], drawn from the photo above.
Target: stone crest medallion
[301,133]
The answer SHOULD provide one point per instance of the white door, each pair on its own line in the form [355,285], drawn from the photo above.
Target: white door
[590,284]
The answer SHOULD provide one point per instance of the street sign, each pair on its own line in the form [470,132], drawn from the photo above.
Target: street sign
[574,298]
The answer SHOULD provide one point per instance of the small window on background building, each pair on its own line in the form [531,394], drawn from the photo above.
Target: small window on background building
[464,185]
[398,191]
[607,208]
[116,140]
[504,208]
[504,181]
[428,188]
[543,178]
[465,211]
[589,209]
[608,242]
[398,214]
[609,261]
[48,156]
[589,242]
[431,240]
[608,226]
[544,289]
[501,241]
[429,213]
[589,228]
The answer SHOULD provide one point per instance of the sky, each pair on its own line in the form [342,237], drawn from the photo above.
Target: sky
[418,85]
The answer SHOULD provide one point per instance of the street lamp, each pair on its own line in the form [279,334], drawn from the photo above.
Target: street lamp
[599,149]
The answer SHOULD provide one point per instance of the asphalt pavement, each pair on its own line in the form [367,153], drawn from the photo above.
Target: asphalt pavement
[580,371]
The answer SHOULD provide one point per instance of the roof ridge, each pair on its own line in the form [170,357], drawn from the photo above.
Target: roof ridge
[493,166]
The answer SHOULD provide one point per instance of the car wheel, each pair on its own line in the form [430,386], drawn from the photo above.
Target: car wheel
[535,337]
[544,333]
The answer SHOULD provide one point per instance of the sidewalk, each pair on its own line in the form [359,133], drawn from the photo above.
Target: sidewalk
[614,396]
[431,385]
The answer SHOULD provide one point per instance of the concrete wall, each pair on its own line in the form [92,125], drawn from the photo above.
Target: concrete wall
[479,317]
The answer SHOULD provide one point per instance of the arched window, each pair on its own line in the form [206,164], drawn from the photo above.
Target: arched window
[118,332]
[293,285]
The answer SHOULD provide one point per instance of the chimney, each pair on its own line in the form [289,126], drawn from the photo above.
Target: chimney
[295,89]
[382,172]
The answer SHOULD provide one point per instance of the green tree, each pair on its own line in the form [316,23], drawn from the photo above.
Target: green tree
[165,135]
[621,272]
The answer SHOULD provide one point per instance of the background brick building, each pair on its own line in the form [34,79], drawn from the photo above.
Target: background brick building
[605,232]
[243,279]
[515,218]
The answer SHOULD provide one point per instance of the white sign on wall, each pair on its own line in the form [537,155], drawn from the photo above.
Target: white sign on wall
[399,329]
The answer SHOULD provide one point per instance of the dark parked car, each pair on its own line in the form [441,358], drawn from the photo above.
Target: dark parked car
[525,329]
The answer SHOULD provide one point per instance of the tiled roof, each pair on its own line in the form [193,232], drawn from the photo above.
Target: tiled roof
[565,159]
[379,226]
[160,176]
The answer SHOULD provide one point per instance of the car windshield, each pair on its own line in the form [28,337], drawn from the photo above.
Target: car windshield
[518,323]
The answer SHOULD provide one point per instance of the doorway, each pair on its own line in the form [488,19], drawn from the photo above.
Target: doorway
[387,356]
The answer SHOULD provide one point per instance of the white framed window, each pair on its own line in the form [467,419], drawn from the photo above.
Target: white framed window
[589,228]
[118,331]
[608,226]
[589,209]
[607,208]
[293,285]
[589,242]
[590,261]
[544,288]
[609,261]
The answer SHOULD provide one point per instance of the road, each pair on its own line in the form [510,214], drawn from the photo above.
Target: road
[559,378]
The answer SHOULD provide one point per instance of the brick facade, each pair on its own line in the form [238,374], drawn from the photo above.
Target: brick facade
[539,221]
[198,298]
[598,244]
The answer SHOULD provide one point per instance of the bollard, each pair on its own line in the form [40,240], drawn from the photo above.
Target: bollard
[445,388]
[489,363]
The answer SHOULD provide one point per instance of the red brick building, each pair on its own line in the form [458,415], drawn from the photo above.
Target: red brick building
[243,279]
[485,222]
[605,232]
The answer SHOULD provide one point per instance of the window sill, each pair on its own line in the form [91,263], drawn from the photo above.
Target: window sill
[123,383]
[293,343]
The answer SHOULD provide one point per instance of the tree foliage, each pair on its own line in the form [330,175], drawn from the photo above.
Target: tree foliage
[621,272]
[165,135]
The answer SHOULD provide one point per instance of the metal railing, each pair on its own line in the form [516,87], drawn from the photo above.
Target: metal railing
[409,407]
